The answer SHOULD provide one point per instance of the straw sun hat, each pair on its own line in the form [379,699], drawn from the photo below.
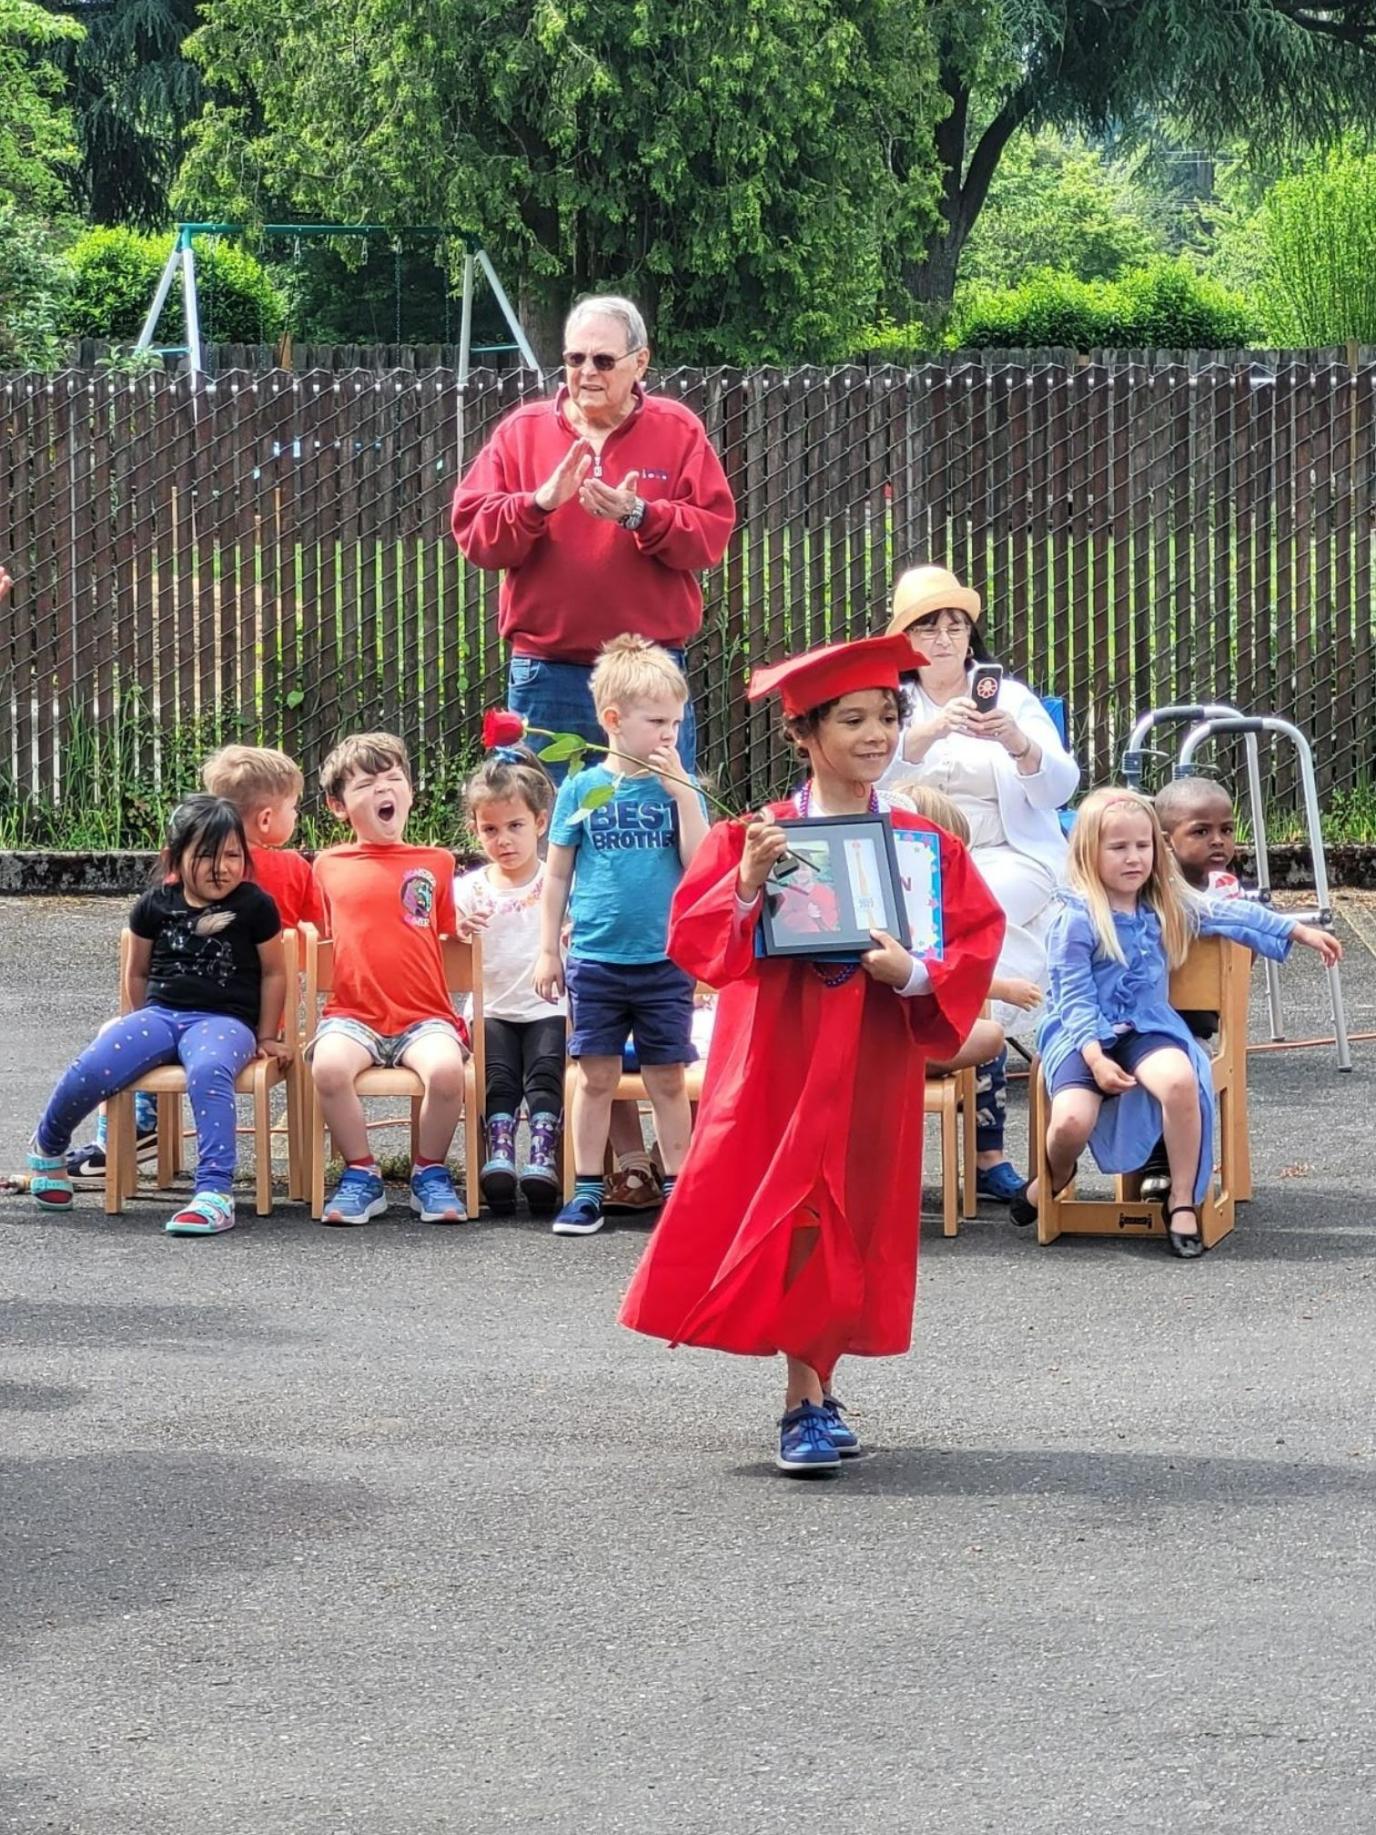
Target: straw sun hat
[930,589]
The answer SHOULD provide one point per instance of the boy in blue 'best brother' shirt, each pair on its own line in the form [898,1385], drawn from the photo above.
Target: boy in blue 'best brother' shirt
[624,855]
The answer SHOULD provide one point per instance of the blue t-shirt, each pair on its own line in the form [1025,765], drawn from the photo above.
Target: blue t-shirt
[625,869]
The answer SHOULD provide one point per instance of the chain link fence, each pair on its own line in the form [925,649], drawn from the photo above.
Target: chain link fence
[269,555]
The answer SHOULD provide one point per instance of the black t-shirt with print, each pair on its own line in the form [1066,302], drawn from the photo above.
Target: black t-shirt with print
[205,957]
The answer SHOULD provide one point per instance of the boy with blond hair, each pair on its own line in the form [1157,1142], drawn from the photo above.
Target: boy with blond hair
[265,786]
[623,831]
[388,906]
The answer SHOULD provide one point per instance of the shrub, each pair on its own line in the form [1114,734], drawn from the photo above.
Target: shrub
[1165,305]
[35,286]
[1317,237]
[117,271]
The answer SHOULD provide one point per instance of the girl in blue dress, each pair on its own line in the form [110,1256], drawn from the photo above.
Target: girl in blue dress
[1122,1068]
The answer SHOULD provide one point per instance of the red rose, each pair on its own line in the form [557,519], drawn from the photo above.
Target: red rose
[502,727]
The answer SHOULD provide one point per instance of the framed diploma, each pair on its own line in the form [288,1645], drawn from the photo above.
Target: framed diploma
[837,883]
[919,878]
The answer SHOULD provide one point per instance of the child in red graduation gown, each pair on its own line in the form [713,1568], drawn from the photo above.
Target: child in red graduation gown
[793,1227]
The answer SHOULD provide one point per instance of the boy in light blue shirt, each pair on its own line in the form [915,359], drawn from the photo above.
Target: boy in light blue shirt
[622,834]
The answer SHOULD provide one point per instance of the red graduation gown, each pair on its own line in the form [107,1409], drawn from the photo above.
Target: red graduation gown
[811,1114]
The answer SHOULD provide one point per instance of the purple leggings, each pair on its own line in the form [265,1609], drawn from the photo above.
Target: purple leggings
[211,1048]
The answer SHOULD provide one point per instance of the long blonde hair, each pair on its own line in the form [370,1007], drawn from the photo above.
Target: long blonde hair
[1163,889]
[934,804]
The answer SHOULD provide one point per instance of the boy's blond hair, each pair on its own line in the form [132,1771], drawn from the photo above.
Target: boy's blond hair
[365,752]
[252,776]
[1164,888]
[923,800]
[633,669]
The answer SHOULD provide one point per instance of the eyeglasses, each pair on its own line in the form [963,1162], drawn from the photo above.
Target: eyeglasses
[600,360]
[952,624]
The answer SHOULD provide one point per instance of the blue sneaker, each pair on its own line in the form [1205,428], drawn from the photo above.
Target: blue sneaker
[805,1443]
[433,1197]
[843,1437]
[358,1198]
[579,1217]
[1002,1183]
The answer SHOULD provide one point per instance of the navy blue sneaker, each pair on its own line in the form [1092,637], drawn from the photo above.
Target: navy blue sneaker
[1001,1183]
[805,1443]
[579,1217]
[358,1197]
[843,1437]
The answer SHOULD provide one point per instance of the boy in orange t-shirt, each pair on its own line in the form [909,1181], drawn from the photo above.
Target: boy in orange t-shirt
[265,786]
[388,907]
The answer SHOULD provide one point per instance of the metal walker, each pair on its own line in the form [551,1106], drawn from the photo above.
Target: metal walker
[1214,719]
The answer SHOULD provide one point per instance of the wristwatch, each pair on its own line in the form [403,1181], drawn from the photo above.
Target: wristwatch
[634,517]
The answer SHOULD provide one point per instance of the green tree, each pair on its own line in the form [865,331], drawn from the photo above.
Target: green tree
[737,166]
[134,95]
[1273,72]
[1314,240]
[1058,203]
[37,147]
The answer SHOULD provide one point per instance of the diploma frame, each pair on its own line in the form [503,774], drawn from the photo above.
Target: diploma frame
[846,885]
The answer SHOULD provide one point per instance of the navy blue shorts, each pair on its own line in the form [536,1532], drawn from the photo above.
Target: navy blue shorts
[610,1000]
[1127,1054]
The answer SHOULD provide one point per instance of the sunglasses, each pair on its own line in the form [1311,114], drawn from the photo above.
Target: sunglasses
[954,624]
[600,360]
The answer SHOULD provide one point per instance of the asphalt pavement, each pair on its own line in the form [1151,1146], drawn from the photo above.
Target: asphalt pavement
[394,1530]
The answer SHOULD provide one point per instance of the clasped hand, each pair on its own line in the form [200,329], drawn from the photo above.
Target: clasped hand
[572,477]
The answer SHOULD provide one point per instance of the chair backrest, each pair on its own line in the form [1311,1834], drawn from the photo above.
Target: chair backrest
[1214,978]
[291,950]
[463,971]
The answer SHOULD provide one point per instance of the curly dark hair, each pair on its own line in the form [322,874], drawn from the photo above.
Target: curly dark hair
[511,771]
[799,728]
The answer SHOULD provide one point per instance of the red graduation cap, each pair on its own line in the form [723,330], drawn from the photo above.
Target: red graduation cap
[806,681]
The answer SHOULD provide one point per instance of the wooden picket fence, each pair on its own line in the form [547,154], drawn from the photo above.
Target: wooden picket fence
[269,554]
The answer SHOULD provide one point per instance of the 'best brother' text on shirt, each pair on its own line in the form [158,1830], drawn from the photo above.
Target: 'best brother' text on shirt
[626,867]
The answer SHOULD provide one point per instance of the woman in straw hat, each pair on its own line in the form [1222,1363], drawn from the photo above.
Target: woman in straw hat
[1008,773]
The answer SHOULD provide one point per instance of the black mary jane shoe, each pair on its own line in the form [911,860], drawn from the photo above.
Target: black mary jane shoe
[1189,1246]
[1022,1212]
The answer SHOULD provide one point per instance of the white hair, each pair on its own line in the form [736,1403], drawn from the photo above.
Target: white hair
[611,306]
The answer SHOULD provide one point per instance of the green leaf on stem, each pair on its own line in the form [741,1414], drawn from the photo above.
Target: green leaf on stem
[568,746]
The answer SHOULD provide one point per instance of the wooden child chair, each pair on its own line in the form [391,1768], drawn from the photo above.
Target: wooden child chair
[463,974]
[168,1083]
[1214,978]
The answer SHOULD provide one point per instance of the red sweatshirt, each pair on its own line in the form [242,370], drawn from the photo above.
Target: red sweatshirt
[572,580]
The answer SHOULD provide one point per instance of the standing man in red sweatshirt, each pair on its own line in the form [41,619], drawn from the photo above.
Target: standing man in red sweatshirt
[603,506]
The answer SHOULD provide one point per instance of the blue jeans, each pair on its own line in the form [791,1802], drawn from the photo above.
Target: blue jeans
[212,1049]
[558,696]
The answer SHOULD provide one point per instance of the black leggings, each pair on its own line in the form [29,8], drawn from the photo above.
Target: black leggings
[525,1057]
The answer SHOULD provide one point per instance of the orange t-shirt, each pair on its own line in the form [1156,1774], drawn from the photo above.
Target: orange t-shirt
[289,883]
[387,908]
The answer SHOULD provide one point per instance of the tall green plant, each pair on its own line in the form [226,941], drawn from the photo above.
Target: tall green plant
[1317,246]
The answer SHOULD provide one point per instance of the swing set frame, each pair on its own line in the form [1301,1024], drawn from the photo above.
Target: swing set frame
[182,259]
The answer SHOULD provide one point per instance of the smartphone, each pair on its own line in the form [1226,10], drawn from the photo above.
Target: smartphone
[984,686]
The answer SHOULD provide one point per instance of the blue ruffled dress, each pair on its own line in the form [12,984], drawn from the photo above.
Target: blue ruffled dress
[1093,997]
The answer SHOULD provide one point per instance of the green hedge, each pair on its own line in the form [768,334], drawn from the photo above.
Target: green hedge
[1165,305]
[117,271]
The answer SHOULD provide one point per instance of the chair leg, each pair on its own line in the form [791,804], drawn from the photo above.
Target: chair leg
[128,1148]
[293,1135]
[950,1164]
[315,1138]
[114,1158]
[262,1143]
[1048,1207]
[169,1138]
[570,1171]
[472,1143]
[1240,1137]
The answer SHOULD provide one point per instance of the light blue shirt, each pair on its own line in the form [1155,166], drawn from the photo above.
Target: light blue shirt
[1093,997]
[626,867]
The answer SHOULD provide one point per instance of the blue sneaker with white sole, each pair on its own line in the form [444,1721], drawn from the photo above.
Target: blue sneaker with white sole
[358,1198]
[806,1448]
[579,1217]
[433,1197]
[843,1436]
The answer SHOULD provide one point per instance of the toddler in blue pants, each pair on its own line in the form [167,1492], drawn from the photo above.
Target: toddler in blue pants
[208,982]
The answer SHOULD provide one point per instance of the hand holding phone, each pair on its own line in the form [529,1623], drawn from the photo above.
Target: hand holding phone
[985,683]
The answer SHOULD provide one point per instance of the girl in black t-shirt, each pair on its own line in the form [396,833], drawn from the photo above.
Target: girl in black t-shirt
[208,981]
